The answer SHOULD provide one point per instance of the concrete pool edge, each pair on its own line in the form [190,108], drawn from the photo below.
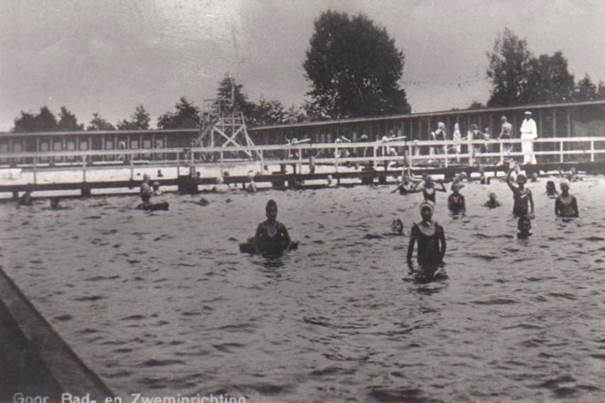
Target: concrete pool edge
[64,367]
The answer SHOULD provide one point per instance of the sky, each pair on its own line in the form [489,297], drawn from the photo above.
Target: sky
[110,56]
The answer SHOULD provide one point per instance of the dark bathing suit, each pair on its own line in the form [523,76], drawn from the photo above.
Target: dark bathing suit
[456,202]
[429,194]
[429,254]
[569,209]
[521,202]
[272,244]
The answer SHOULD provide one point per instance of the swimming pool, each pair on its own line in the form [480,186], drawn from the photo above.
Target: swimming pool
[163,303]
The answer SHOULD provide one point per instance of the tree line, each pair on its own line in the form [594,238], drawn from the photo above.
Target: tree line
[354,69]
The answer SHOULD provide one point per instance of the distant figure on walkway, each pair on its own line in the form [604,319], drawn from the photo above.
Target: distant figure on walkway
[271,235]
[566,204]
[474,134]
[551,189]
[529,132]
[439,135]
[455,202]
[506,133]
[457,138]
[492,202]
[431,241]
[522,196]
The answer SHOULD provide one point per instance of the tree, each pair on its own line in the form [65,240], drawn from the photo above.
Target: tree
[44,121]
[549,80]
[68,121]
[98,123]
[585,89]
[354,68]
[266,112]
[138,121]
[187,116]
[508,70]
[231,96]
[295,114]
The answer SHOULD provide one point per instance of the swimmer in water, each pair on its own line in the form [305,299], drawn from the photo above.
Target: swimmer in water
[271,235]
[397,226]
[573,176]
[54,203]
[524,227]
[492,202]
[455,202]
[566,204]
[431,241]
[406,186]
[25,199]
[523,200]
[429,190]
[551,189]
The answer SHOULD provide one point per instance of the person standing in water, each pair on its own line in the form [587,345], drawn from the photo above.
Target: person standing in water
[429,190]
[146,190]
[431,241]
[271,235]
[455,202]
[492,202]
[523,200]
[566,205]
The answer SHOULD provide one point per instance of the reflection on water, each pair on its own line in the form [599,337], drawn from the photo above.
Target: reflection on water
[163,302]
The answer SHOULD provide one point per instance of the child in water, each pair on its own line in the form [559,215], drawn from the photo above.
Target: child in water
[431,241]
[271,236]
[551,189]
[146,191]
[492,202]
[566,204]
[523,200]
[524,227]
[397,226]
[455,202]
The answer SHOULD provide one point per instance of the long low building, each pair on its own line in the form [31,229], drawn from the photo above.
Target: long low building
[574,119]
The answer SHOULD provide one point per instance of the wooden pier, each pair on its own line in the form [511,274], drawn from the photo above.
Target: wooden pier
[293,165]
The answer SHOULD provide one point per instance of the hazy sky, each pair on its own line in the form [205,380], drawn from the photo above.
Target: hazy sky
[109,56]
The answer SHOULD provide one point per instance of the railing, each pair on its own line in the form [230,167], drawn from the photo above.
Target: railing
[443,153]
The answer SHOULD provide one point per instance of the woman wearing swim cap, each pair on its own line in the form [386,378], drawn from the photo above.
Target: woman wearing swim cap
[430,238]
[522,196]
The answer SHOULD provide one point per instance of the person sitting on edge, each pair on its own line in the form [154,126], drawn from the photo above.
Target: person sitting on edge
[429,190]
[455,202]
[145,190]
[156,188]
[573,176]
[551,189]
[524,227]
[566,204]
[483,178]
[271,235]
[431,241]
[492,202]
[522,196]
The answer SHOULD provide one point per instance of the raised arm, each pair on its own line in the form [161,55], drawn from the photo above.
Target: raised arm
[509,180]
[443,189]
[531,203]
[574,206]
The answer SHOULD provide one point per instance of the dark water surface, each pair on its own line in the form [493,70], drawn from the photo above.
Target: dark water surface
[163,303]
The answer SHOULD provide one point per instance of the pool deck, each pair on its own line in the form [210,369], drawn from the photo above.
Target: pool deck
[36,361]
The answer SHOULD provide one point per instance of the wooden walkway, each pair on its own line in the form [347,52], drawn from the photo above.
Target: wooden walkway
[290,166]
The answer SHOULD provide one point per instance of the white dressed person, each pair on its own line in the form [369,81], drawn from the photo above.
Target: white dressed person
[529,132]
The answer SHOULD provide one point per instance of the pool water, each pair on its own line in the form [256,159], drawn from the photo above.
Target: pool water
[163,303]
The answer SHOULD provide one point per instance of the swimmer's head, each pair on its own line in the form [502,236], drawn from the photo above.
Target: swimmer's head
[397,226]
[428,180]
[564,185]
[492,196]
[271,209]
[550,185]
[456,186]
[426,211]
[534,177]
[521,179]
[155,185]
